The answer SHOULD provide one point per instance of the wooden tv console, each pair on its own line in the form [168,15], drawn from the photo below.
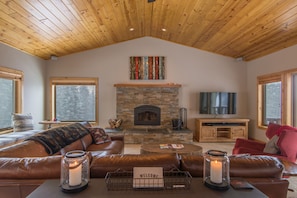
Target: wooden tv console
[220,130]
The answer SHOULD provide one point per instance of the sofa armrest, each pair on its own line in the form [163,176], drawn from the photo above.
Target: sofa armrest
[31,168]
[117,137]
[256,166]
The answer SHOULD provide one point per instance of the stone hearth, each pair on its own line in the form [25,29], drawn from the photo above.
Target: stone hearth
[139,136]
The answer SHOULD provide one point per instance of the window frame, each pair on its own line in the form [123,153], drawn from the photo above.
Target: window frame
[18,77]
[285,77]
[74,81]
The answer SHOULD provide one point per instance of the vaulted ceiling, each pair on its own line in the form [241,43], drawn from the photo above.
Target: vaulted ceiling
[234,28]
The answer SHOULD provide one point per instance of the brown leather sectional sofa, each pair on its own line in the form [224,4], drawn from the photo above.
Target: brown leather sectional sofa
[23,167]
[20,176]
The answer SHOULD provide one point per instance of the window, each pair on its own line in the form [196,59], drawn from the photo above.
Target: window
[272,103]
[74,99]
[11,96]
[277,94]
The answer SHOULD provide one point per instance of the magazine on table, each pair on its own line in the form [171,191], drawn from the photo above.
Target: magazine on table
[171,146]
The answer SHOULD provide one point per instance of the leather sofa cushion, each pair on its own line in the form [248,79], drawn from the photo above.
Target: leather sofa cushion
[100,166]
[256,166]
[24,149]
[30,168]
[248,166]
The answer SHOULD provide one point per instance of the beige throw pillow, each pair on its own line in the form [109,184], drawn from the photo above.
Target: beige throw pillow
[271,146]
[22,122]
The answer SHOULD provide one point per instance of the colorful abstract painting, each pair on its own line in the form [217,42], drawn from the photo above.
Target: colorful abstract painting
[147,68]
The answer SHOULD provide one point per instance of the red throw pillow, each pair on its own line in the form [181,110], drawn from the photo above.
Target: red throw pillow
[99,135]
[283,128]
[272,129]
[287,144]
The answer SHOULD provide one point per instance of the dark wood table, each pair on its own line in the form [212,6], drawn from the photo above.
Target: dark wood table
[97,188]
[189,149]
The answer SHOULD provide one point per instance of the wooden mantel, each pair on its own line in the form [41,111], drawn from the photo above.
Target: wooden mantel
[148,85]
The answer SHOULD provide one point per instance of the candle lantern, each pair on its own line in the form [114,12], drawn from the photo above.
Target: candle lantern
[74,171]
[216,170]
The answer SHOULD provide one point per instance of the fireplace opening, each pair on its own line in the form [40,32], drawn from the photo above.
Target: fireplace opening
[147,115]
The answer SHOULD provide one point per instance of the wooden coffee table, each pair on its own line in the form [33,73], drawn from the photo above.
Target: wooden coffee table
[189,149]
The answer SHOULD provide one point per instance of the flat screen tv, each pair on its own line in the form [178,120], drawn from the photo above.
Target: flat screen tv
[217,103]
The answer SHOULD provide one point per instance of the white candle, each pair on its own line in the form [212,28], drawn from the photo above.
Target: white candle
[75,174]
[216,171]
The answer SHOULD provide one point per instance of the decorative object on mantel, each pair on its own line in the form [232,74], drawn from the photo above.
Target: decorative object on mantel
[147,68]
[216,170]
[75,174]
[152,85]
[115,123]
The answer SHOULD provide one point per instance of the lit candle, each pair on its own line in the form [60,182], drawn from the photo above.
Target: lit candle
[75,174]
[216,171]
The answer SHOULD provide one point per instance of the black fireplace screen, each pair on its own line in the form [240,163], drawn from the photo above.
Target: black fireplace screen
[147,115]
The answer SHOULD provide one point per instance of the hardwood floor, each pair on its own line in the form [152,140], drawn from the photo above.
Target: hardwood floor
[227,147]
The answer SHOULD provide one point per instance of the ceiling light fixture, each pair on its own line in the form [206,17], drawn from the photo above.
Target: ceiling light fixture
[131,29]
[239,59]
[53,57]
[164,29]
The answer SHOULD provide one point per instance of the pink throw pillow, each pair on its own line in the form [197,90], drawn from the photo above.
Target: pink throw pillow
[99,135]
[287,144]
[272,129]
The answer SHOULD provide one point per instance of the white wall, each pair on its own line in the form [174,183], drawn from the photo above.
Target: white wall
[194,69]
[278,61]
[34,72]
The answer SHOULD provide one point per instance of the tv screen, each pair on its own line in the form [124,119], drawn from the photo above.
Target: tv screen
[217,103]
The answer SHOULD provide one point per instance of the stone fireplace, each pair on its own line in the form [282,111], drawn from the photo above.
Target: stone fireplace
[147,111]
[148,115]
[158,104]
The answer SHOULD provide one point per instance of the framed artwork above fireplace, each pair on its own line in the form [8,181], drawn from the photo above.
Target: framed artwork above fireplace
[147,68]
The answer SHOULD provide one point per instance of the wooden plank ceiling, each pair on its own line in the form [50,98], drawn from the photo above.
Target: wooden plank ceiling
[234,28]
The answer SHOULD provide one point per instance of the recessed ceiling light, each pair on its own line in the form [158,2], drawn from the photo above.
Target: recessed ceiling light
[131,29]
[163,29]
